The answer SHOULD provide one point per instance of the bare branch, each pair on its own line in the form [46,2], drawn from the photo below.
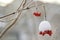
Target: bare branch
[28,3]
[23,2]
[7,15]
[13,12]
[5,30]
[6,21]
[9,26]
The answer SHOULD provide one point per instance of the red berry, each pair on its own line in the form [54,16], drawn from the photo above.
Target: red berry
[40,32]
[37,14]
[49,32]
[43,33]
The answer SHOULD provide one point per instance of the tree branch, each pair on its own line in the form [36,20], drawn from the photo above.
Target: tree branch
[8,27]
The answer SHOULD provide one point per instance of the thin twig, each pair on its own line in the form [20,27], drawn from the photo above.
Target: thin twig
[28,3]
[7,15]
[44,12]
[6,21]
[20,5]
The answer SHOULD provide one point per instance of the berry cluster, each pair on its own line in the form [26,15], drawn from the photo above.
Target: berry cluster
[49,32]
[37,14]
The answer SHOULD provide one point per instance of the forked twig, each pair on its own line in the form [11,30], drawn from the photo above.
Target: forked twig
[13,12]
[6,29]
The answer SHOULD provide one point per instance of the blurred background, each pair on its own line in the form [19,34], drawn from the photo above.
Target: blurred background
[27,26]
